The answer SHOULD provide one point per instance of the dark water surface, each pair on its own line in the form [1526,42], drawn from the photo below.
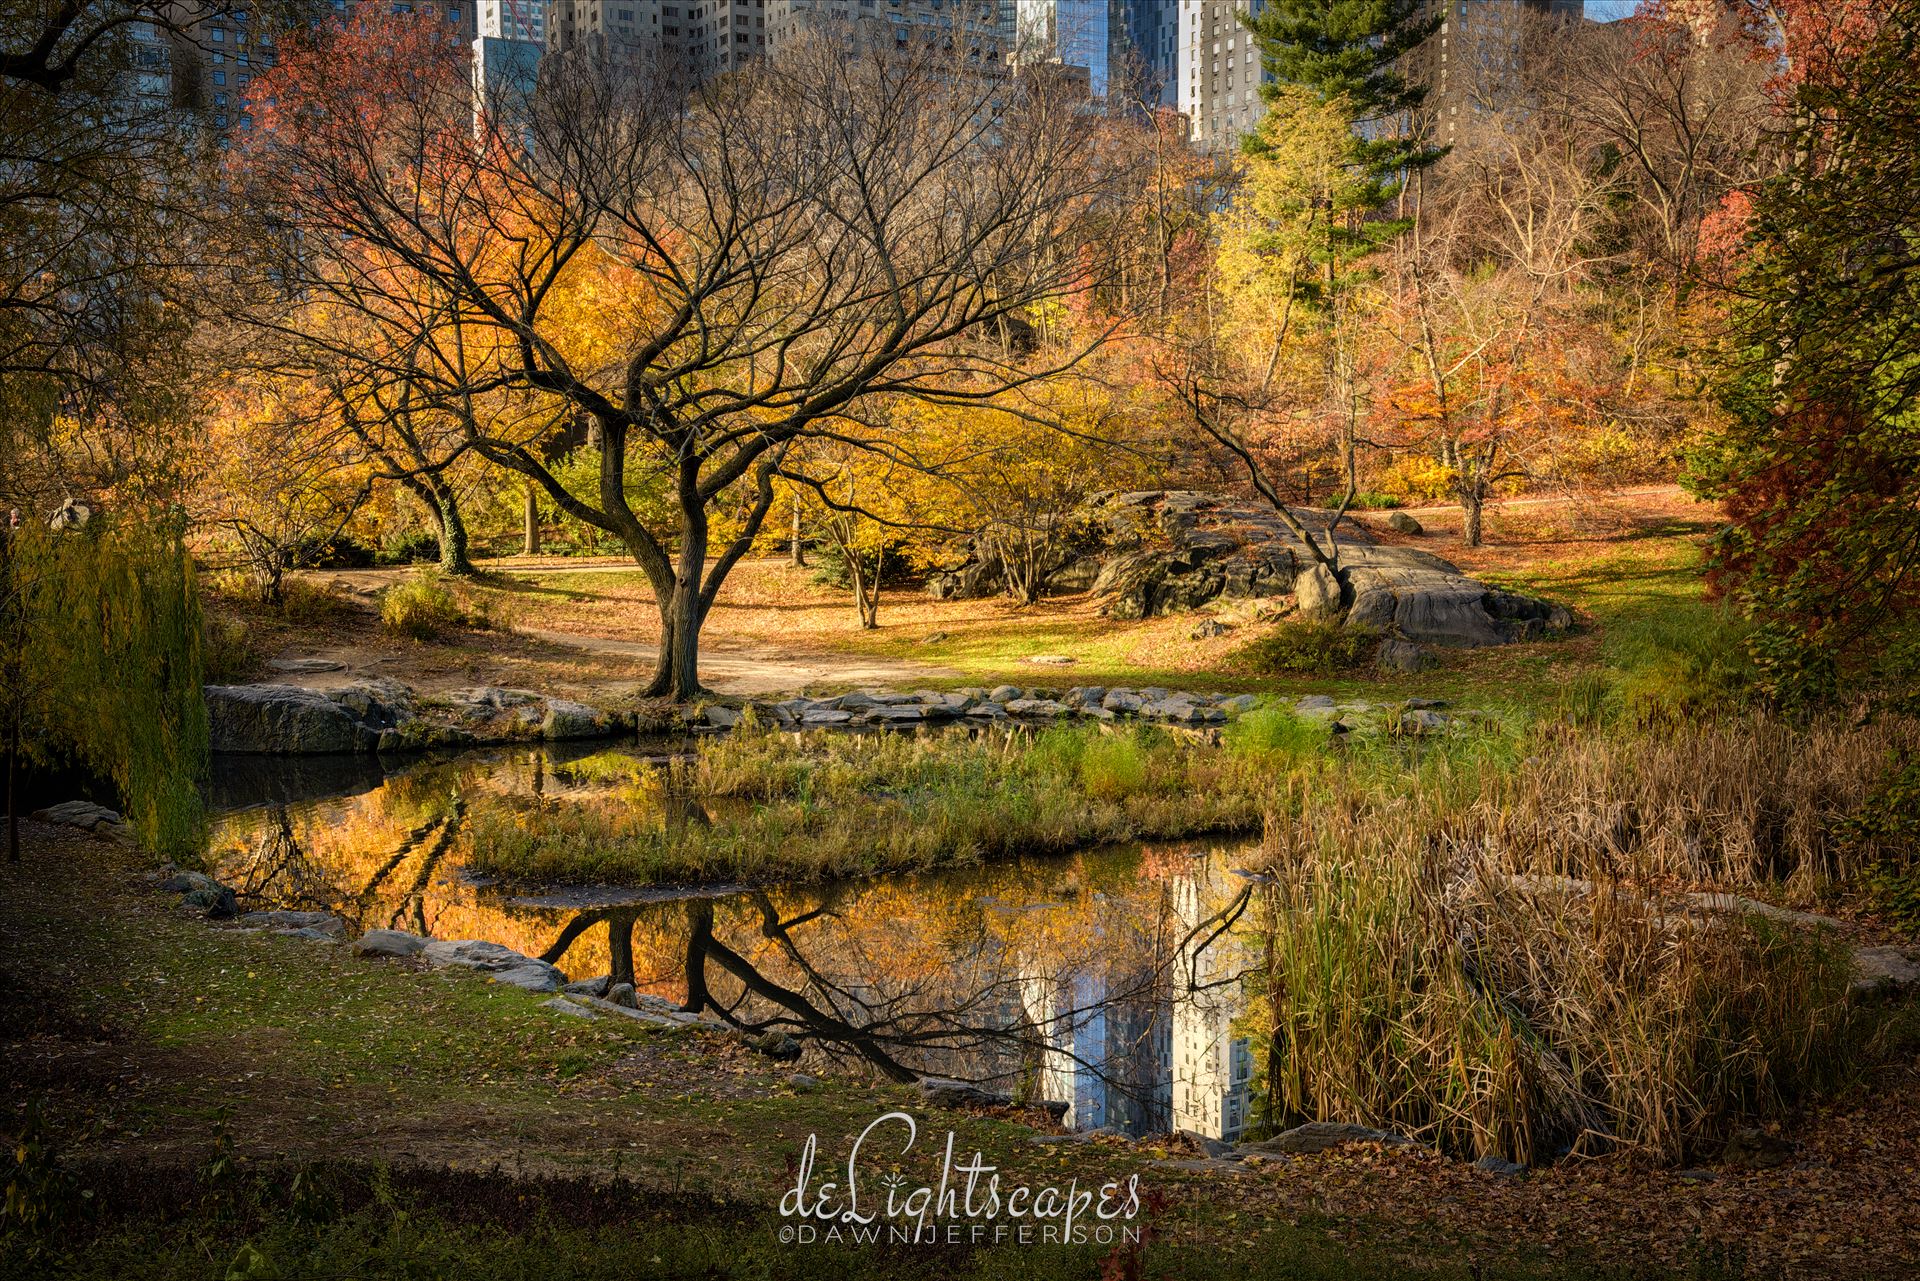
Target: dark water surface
[1112,980]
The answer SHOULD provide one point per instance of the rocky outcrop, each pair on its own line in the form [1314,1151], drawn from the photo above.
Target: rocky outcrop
[385,716]
[86,816]
[1166,551]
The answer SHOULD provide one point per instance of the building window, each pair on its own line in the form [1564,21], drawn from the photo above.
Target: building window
[219,35]
[219,77]
[219,99]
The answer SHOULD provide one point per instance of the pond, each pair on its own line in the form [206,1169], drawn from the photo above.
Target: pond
[1113,981]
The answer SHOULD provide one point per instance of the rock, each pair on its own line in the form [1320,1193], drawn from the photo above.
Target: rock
[1036,707]
[1239,704]
[897,715]
[561,1005]
[310,934]
[389,943]
[1422,723]
[1122,702]
[534,976]
[1696,1176]
[283,720]
[1207,629]
[218,902]
[623,995]
[1884,970]
[86,816]
[322,923]
[1404,656]
[943,1093]
[1559,618]
[1501,1166]
[936,638]
[1309,704]
[1317,593]
[1005,693]
[722,717]
[502,963]
[825,716]
[1052,660]
[1203,1166]
[1319,1136]
[1213,1147]
[775,1045]
[566,719]
[801,1082]
[305,666]
[855,701]
[1754,1149]
[187,882]
[1405,524]
[589,987]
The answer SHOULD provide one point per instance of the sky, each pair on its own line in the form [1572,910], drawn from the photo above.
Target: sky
[1608,10]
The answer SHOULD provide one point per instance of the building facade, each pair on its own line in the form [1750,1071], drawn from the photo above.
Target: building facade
[1217,72]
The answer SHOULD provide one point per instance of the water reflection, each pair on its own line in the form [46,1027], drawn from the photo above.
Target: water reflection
[1113,982]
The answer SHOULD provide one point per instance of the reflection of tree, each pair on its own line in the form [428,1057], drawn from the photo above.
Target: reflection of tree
[824,967]
[277,869]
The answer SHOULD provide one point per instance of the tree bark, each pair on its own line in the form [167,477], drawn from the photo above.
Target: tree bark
[798,549]
[530,525]
[453,531]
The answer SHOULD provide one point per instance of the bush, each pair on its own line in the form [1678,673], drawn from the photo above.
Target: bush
[228,652]
[315,552]
[307,603]
[1368,500]
[1316,648]
[416,548]
[422,608]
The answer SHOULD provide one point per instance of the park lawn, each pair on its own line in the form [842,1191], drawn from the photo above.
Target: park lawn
[1617,562]
[200,1070]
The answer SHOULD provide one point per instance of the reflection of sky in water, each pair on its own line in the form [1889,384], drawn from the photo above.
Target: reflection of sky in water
[1108,981]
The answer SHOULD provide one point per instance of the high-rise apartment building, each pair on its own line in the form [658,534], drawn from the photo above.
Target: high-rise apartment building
[1125,47]
[1476,52]
[696,38]
[523,20]
[1217,72]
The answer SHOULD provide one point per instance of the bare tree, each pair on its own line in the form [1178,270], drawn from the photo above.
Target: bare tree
[773,255]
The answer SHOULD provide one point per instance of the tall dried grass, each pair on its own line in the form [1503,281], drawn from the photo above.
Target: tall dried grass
[1501,974]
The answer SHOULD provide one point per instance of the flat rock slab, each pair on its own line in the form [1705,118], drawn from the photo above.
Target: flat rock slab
[389,943]
[502,964]
[1321,1136]
[561,1005]
[322,923]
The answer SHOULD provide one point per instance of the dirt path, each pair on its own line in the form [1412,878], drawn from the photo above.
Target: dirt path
[754,672]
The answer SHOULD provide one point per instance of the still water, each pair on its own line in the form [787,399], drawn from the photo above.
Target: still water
[1113,981]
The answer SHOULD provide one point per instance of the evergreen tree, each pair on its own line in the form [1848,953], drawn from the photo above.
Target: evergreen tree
[1348,54]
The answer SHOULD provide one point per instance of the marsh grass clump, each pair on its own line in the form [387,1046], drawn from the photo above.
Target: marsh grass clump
[1502,968]
[1312,647]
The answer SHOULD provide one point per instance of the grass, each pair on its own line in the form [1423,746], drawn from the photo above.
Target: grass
[249,1106]
[822,806]
[424,608]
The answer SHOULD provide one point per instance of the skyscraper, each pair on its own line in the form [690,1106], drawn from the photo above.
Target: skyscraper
[1217,72]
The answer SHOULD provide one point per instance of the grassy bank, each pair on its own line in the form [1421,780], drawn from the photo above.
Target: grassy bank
[1509,966]
[827,805]
[241,1105]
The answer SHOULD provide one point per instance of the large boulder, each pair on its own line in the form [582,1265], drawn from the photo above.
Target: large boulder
[280,720]
[1166,551]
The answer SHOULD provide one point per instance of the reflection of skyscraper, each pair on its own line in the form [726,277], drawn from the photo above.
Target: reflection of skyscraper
[1125,46]
[1212,1068]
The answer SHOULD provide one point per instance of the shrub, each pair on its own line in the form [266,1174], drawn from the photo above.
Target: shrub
[228,652]
[422,608]
[1310,647]
[417,547]
[342,552]
[306,602]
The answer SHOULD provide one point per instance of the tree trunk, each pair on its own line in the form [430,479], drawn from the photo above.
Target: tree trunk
[530,525]
[683,663]
[620,948]
[453,531]
[1473,504]
[798,549]
[13,807]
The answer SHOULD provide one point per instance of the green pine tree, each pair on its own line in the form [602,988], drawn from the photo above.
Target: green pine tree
[1349,54]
